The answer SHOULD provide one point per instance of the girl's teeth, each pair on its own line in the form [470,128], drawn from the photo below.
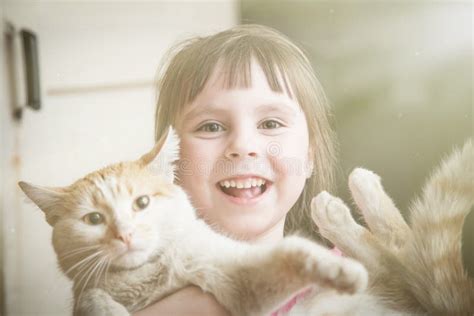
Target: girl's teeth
[242,184]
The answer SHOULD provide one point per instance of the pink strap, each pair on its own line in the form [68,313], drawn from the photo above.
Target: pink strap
[292,302]
[337,252]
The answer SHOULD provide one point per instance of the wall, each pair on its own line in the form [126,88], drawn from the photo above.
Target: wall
[98,62]
[3,139]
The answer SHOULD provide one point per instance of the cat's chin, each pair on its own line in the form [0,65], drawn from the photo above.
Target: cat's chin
[131,259]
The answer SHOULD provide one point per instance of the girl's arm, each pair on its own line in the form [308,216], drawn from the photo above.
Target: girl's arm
[188,301]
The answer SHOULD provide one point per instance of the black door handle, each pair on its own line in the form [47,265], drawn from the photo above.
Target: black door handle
[31,62]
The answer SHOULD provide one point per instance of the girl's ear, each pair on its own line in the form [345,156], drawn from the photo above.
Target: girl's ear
[160,160]
[47,199]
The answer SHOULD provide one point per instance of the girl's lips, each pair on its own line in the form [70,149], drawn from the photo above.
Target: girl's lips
[246,201]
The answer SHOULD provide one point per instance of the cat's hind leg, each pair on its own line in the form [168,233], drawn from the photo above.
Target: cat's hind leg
[379,212]
[336,224]
[387,274]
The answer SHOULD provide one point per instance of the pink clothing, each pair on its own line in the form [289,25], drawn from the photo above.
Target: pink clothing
[283,310]
[292,302]
[336,251]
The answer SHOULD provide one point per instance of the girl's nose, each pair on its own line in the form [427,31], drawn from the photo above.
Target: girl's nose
[240,154]
[241,147]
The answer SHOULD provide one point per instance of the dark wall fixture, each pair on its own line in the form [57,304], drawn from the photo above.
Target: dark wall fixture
[22,43]
[31,64]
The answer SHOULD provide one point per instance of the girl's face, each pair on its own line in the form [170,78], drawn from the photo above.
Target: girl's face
[244,156]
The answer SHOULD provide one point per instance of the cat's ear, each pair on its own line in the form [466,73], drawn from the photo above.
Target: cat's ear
[160,160]
[47,199]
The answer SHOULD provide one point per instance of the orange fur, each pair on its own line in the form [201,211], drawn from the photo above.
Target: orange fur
[414,268]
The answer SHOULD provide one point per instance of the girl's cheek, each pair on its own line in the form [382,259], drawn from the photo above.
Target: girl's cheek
[197,158]
[294,164]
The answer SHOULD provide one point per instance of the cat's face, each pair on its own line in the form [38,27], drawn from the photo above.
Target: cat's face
[117,216]
[123,214]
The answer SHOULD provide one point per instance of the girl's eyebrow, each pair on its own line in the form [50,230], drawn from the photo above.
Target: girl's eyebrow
[215,110]
[283,108]
[200,111]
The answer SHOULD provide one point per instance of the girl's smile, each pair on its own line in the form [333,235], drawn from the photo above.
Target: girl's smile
[244,155]
[244,189]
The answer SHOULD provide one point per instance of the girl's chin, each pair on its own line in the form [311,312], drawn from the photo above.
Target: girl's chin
[251,227]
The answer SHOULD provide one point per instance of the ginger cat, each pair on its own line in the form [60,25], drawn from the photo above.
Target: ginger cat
[126,236]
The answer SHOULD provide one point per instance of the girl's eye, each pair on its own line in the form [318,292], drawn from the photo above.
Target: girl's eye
[211,128]
[270,124]
[94,218]
[141,203]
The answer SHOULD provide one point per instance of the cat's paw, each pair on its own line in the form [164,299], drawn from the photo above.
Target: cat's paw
[332,216]
[366,188]
[380,213]
[342,274]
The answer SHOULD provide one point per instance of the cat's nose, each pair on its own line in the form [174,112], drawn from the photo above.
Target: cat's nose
[124,237]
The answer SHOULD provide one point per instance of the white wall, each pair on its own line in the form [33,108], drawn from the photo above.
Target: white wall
[98,62]
[6,132]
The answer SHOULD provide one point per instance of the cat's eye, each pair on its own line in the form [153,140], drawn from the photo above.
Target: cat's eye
[94,218]
[141,202]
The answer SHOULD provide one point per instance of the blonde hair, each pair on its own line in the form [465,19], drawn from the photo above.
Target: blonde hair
[189,65]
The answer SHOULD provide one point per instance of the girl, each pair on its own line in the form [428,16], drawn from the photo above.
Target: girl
[256,144]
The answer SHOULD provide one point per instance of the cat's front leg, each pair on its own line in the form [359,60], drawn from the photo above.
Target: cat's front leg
[272,275]
[97,302]
[302,260]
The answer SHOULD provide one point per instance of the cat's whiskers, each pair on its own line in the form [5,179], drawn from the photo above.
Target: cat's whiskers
[83,261]
[77,251]
[86,266]
[103,264]
[95,268]
[91,268]
[103,269]
[66,255]
[107,270]
[83,273]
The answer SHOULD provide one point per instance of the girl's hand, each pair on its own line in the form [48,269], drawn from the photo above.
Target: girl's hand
[188,301]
